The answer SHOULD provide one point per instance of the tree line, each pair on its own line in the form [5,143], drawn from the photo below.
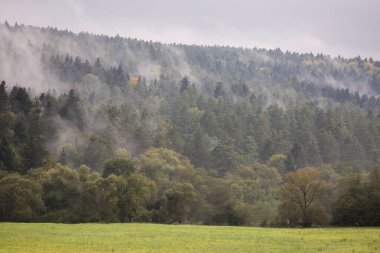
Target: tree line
[162,186]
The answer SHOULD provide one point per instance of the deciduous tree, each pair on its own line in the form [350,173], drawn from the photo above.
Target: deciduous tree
[20,199]
[302,189]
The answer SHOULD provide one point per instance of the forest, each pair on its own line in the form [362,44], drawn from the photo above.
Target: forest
[110,129]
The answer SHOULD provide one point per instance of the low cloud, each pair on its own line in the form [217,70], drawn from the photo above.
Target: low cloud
[339,27]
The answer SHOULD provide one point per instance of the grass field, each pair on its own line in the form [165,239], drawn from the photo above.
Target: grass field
[33,237]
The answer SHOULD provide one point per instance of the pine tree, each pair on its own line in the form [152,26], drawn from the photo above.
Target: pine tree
[267,151]
[4,99]
[72,110]
[184,84]
[296,158]
[20,100]
[329,147]
[9,157]
[199,149]
[219,90]
[63,157]
[6,115]
[34,152]
[249,150]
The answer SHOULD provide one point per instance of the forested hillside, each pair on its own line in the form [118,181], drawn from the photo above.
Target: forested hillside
[98,128]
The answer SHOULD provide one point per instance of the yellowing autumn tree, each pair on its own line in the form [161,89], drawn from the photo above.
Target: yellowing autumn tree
[300,193]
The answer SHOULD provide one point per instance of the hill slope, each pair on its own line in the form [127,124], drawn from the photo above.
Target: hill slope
[182,133]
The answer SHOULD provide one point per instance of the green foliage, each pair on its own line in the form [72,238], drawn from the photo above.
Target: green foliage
[224,157]
[34,151]
[20,199]
[359,201]
[277,161]
[118,167]
[9,157]
[300,193]
[61,187]
[81,196]
[20,100]
[139,190]
[163,165]
[72,110]
[99,199]
[98,151]
[178,201]
[6,115]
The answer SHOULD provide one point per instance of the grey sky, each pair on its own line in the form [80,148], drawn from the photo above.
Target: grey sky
[345,27]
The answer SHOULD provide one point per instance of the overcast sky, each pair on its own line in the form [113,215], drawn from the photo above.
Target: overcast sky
[337,27]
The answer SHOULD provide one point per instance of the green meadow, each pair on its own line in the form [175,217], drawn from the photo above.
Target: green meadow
[41,237]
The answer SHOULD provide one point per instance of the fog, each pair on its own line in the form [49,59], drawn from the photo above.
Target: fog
[338,27]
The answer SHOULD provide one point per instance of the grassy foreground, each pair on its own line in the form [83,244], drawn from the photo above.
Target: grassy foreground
[33,237]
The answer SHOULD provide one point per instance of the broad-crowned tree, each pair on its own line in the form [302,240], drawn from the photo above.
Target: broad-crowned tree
[302,189]
[20,199]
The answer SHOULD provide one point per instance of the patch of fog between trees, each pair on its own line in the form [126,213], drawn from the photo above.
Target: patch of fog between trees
[360,86]
[70,137]
[22,48]
[22,65]
[21,51]
[20,54]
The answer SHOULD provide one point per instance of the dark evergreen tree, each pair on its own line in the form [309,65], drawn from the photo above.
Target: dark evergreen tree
[9,157]
[329,147]
[6,116]
[224,157]
[20,100]
[295,158]
[63,157]
[184,84]
[34,153]
[72,110]
[267,151]
[219,90]
[20,133]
